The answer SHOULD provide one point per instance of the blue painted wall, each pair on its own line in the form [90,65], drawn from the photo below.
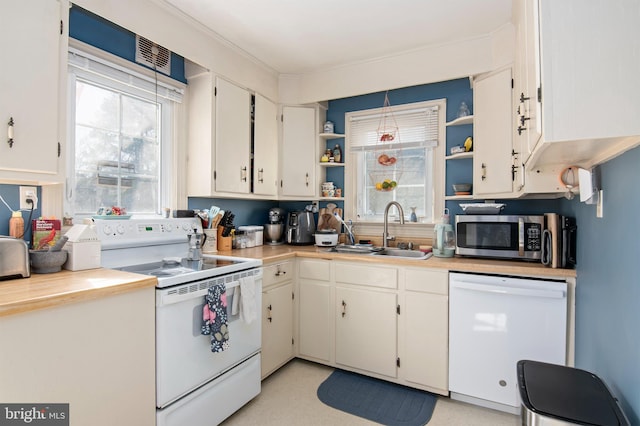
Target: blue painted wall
[608,289]
[11,194]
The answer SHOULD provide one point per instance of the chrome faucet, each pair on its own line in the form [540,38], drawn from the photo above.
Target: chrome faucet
[385,234]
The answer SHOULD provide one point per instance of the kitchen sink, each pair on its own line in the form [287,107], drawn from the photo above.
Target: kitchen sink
[407,254]
[354,248]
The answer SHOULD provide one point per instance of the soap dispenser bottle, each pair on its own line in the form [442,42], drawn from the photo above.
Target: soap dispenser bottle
[444,242]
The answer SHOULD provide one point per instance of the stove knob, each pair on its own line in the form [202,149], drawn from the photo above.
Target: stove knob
[168,227]
[186,226]
[107,230]
[120,228]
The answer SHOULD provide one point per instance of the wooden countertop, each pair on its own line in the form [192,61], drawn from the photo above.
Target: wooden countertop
[47,290]
[269,254]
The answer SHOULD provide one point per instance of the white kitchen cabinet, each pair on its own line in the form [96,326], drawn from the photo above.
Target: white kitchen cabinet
[95,355]
[588,58]
[32,78]
[265,147]
[424,327]
[315,304]
[277,316]
[223,159]
[232,138]
[366,327]
[492,132]
[299,135]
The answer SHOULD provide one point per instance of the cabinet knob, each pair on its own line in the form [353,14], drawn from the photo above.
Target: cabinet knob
[269,313]
[484,171]
[344,308]
[243,174]
[260,177]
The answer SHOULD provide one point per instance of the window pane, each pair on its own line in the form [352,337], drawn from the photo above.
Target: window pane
[117,151]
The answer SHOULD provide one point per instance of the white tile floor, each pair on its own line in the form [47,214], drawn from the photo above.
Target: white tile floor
[288,397]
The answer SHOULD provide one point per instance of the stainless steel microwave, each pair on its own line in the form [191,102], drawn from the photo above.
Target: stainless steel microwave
[500,236]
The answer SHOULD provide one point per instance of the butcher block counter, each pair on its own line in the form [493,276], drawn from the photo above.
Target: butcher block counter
[50,290]
[277,253]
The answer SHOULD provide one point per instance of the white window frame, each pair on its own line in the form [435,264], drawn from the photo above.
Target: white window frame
[422,230]
[154,88]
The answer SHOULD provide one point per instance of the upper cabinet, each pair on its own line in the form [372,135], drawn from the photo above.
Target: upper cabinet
[299,133]
[577,78]
[233,140]
[493,168]
[32,40]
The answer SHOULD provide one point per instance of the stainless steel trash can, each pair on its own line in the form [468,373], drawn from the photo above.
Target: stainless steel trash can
[556,395]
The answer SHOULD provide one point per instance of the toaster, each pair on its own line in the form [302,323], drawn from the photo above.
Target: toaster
[14,258]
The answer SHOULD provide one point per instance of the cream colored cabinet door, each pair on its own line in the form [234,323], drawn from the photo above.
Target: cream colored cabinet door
[426,358]
[316,335]
[30,41]
[233,138]
[298,151]
[265,147]
[424,329]
[366,330]
[492,131]
[277,327]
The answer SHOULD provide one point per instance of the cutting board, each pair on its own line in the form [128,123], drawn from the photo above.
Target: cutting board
[326,219]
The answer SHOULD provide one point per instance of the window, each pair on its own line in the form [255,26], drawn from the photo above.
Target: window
[119,138]
[416,177]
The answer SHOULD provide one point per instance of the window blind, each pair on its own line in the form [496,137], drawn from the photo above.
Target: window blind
[417,128]
[94,64]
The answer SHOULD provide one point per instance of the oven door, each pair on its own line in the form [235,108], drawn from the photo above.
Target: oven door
[497,236]
[184,360]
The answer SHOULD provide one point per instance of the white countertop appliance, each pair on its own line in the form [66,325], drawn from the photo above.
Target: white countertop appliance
[193,384]
[496,321]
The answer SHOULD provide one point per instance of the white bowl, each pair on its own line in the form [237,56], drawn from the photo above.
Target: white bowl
[326,239]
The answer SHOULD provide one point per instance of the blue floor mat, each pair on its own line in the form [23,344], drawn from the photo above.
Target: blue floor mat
[377,400]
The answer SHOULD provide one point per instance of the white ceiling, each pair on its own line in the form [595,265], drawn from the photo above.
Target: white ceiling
[301,36]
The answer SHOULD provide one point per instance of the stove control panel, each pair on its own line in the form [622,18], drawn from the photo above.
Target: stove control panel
[136,232]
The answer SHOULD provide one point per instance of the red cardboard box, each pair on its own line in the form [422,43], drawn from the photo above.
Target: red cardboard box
[45,233]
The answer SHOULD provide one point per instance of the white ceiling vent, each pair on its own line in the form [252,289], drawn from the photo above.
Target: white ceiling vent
[153,55]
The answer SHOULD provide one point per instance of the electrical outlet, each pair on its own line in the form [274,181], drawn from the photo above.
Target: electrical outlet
[28,193]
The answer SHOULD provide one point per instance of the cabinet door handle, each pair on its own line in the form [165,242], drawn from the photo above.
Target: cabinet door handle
[280,273]
[10,132]
[521,129]
[260,177]
[243,174]
[269,313]
[306,176]
[484,171]
[523,119]
[344,308]
[522,98]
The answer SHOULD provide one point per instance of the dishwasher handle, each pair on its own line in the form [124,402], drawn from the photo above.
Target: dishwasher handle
[509,291]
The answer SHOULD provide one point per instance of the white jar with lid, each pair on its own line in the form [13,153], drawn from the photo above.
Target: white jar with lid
[259,234]
[250,234]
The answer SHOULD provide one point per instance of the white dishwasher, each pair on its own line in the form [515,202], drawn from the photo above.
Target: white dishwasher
[496,321]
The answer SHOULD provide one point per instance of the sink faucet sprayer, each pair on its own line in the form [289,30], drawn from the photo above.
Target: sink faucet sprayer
[347,228]
[385,233]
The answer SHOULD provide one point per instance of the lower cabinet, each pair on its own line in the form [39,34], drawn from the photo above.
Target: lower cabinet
[277,316]
[425,324]
[386,321]
[366,327]
[315,305]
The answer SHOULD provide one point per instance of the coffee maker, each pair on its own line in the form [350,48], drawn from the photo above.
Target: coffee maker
[274,230]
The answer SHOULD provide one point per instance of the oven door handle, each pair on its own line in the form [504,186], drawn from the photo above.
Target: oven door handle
[168,297]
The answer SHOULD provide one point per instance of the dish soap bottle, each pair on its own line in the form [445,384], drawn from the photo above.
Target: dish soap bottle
[16,224]
[444,244]
[337,154]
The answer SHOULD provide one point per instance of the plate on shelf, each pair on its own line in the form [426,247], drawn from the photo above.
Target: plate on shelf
[113,216]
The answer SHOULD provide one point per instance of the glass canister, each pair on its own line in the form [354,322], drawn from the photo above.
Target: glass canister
[444,241]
